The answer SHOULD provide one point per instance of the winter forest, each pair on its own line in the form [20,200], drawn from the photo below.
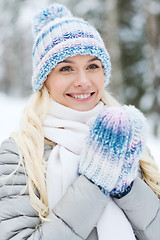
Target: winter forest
[131,32]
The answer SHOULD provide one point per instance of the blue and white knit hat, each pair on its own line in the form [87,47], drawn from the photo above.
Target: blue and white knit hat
[59,35]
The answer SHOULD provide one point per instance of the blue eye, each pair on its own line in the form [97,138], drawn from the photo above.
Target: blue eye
[93,66]
[66,69]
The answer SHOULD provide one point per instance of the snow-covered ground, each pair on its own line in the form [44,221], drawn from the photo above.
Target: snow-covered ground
[11,109]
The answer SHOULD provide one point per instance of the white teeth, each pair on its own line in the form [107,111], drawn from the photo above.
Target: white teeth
[81,96]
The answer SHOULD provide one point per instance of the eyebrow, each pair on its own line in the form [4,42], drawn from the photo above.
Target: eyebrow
[66,61]
[94,59]
[69,61]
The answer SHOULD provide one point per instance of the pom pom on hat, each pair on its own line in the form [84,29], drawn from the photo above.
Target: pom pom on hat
[59,35]
[47,15]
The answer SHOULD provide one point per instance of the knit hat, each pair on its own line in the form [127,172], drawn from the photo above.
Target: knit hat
[59,35]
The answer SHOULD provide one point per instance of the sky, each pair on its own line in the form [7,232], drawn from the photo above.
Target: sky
[11,109]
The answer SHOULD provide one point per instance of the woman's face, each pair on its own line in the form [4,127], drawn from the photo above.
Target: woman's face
[77,82]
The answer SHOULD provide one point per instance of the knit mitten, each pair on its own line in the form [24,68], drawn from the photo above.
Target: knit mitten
[135,146]
[110,155]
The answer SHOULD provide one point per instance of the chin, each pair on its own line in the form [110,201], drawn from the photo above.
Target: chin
[83,108]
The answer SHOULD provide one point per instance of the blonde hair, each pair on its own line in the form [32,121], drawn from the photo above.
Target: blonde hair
[30,140]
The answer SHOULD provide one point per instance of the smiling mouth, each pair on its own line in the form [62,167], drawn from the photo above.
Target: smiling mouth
[80,96]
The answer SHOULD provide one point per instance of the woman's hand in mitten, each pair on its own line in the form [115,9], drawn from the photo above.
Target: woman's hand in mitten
[113,139]
[135,146]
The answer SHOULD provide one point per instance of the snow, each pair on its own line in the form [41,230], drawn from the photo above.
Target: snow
[154,7]
[11,109]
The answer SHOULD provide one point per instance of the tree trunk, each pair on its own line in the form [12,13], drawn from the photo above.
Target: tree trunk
[153,32]
[113,45]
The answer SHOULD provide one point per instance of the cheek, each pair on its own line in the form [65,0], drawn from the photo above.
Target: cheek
[56,90]
[99,82]
[52,85]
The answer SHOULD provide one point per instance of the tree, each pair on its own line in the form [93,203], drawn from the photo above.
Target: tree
[111,37]
[153,57]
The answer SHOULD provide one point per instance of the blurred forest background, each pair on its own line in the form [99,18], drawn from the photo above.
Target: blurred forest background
[131,32]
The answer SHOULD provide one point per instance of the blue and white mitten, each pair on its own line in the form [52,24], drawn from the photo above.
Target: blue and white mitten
[111,153]
[136,144]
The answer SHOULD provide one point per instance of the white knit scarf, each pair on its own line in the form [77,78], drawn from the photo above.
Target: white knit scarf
[68,128]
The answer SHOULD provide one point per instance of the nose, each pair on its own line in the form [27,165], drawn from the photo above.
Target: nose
[82,80]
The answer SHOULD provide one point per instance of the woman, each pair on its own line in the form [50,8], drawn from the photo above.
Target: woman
[73,171]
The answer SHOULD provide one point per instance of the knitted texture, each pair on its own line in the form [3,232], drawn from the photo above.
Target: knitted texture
[110,155]
[58,35]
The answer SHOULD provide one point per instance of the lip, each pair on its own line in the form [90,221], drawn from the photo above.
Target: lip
[71,95]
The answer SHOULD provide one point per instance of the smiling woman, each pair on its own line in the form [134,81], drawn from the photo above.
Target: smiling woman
[77,82]
[78,168]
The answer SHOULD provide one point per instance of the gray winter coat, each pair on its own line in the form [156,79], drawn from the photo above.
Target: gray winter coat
[75,216]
